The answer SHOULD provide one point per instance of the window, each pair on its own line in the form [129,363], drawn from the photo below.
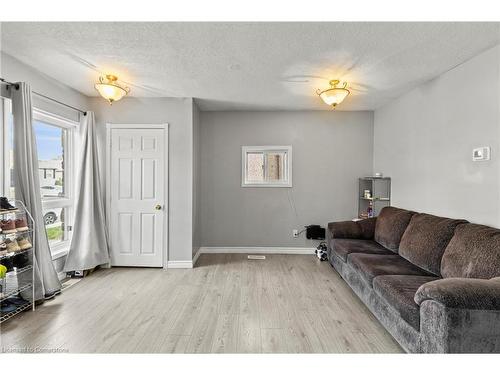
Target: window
[7,156]
[266,166]
[54,139]
[51,145]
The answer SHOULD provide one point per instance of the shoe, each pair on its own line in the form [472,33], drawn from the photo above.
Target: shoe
[12,246]
[24,243]
[16,301]
[8,263]
[6,308]
[5,205]
[3,272]
[8,226]
[20,260]
[21,224]
[3,248]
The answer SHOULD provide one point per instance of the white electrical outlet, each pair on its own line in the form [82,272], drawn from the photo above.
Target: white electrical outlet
[481,154]
[295,233]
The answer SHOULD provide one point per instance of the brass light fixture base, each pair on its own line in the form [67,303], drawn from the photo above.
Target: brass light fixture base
[111,78]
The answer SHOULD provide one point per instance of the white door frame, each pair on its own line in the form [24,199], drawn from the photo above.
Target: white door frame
[111,126]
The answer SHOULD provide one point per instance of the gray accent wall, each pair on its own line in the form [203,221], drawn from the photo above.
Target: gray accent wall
[330,151]
[424,141]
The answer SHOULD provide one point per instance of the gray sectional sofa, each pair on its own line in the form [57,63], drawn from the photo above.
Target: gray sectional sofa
[433,282]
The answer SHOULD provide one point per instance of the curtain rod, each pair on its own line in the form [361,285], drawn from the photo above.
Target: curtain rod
[16,85]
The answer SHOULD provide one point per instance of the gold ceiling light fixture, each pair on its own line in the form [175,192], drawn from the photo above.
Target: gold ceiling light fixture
[335,94]
[109,88]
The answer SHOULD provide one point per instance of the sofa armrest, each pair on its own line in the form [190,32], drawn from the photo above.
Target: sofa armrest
[462,293]
[362,229]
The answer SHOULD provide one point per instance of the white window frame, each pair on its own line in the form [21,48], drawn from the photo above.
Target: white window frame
[287,182]
[68,201]
[5,109]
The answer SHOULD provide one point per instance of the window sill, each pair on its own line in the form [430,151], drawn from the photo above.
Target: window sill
[284,185]
[59,253]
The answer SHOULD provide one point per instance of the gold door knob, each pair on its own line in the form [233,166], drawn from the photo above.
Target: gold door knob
[158,207]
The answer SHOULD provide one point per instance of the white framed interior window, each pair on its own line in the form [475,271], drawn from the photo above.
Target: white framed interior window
[266,166]
[55,139]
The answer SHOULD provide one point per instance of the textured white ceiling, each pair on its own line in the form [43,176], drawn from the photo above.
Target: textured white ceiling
[263,66]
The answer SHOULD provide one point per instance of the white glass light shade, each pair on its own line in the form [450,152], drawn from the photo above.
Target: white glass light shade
[334,95]
[110,90]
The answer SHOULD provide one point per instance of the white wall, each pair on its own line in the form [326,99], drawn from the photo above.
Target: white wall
[196,179]
[330,151]
[424,141]
[15,71]
[179,114]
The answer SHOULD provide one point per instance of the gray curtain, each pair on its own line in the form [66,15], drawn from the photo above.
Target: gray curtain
[89,245]
[27,188]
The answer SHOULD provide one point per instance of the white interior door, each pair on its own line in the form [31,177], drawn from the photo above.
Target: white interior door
[137,196]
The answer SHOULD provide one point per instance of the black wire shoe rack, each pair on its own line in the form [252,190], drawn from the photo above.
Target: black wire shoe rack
[17,289]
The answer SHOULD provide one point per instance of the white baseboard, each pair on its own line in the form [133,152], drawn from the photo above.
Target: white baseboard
[180,264]
[238,250]
[256,250]
[196,256]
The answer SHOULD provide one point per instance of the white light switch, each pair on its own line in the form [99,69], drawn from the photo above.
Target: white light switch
[481,154]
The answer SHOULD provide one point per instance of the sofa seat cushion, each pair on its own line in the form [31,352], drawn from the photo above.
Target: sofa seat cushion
[343,247]
[370,266]
[425,240]
[399,292]
[390,225]
[473,252]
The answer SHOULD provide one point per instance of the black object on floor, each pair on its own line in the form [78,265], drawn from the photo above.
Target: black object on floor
[315,232]
[321,251]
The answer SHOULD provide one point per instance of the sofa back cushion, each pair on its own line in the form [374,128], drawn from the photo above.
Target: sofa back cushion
[425,240]
[473,252]
[390,226]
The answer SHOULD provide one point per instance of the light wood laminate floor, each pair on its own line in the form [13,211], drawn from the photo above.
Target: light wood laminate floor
[227,304]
